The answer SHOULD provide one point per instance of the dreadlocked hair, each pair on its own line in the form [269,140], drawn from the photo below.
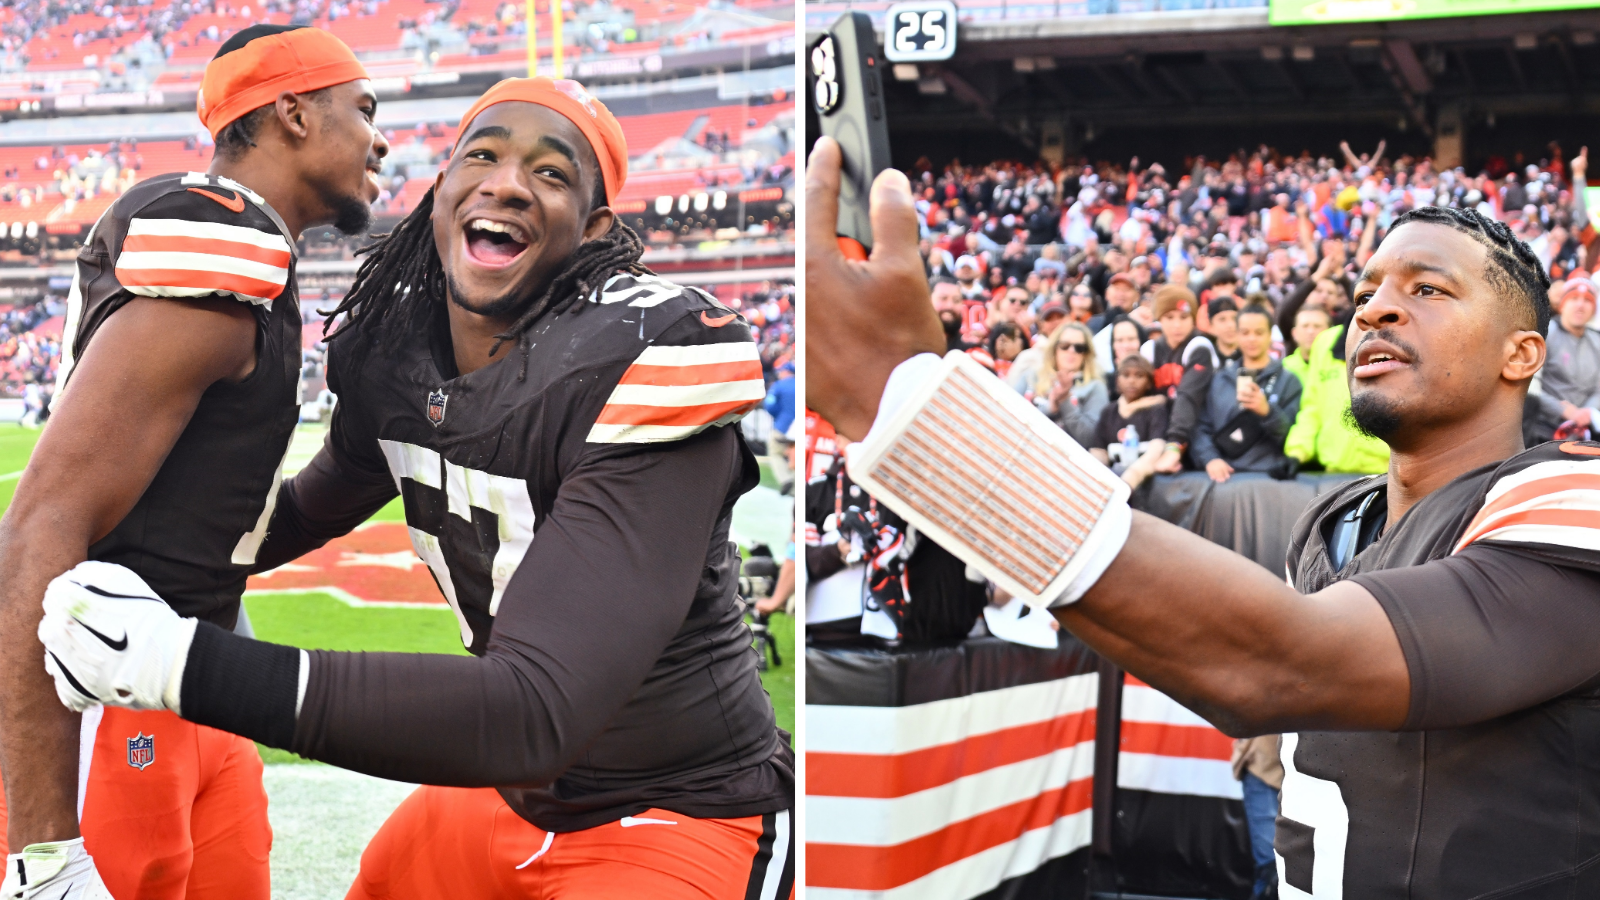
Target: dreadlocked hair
[400,286]
[1512,264]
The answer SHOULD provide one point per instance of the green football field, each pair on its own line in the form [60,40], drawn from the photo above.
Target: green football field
[322,817]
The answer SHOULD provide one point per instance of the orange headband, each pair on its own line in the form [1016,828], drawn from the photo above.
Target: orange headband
[301,61]
[568,98]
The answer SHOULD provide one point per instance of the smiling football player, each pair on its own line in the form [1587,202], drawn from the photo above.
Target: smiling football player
[560,424]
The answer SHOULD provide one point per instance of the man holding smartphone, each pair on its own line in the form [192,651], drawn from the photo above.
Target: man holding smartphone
[1434,657]
[1250,405]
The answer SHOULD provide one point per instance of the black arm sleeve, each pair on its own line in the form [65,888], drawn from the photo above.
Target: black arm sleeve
[606,584]
[1490,631]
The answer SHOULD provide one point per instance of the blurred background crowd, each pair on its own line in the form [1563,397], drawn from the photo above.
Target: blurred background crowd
[1194,319]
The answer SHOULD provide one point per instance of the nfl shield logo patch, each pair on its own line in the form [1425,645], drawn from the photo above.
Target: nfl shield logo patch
[141,751]
[436,401]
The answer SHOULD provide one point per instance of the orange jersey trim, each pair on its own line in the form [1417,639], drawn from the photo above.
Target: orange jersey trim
[683,376]
[633,414]
[156,243]
[199,280]
[882,868]
[1556,518]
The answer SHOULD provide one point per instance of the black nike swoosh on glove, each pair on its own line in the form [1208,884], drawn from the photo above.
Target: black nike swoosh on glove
[118,646]
[105,593]
[72,681]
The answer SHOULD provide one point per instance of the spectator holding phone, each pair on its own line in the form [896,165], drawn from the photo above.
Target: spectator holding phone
[1249,408]
[1069,389]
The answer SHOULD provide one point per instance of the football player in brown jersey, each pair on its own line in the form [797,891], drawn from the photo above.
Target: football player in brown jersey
[561,425]
[1435,656]
[179,394]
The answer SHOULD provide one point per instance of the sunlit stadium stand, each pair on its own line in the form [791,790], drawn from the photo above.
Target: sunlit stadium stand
[94,98]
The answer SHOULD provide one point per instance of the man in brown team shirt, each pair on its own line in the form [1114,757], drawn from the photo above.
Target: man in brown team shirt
[182,342]
[561,425]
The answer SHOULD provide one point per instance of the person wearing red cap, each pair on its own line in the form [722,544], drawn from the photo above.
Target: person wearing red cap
[561,425]
[180,394]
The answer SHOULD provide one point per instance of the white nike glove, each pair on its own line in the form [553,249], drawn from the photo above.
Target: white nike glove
[109,639]
[61,870]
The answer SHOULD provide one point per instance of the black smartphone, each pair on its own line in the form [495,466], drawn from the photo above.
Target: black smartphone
[847,90]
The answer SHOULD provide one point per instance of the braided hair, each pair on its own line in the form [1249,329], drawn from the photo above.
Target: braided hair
[400,285]
[1513,267]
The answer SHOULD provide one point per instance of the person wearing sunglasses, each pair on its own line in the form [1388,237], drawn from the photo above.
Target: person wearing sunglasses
[1016,306]
[1070,389]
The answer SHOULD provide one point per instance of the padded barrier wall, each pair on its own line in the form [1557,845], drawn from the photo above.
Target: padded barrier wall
[967,771]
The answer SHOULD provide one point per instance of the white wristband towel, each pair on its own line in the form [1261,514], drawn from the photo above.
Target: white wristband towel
[968,461]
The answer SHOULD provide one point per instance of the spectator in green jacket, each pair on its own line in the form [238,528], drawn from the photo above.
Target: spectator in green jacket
[1309,322]
[1321,432]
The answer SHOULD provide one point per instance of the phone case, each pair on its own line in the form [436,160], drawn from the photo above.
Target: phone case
[846,85]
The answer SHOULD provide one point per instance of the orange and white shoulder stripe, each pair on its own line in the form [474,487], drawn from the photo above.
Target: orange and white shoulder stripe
[182,258]
[670,393]
[1555,502]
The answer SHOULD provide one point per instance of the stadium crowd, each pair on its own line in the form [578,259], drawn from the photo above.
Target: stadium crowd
[1194,319]
[30,351]
[163,25]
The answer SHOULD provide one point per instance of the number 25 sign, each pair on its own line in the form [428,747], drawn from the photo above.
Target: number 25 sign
[921,32]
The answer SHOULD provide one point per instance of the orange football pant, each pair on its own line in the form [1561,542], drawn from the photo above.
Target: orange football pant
[183,815]
[467,843]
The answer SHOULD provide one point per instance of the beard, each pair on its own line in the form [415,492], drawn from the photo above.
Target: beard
[1374,416]
[951,320]
[500,307]
[352,215]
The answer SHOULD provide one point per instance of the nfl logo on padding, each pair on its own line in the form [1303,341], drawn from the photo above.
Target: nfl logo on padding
[141,751]
[436,402]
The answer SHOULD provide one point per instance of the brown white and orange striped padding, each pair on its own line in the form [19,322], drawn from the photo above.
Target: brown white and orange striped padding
[183,258]
[1556,502]
[945,800]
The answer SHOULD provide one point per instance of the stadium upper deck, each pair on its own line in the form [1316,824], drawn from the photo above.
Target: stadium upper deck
[1165,79]
[704,93]
[83,55]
